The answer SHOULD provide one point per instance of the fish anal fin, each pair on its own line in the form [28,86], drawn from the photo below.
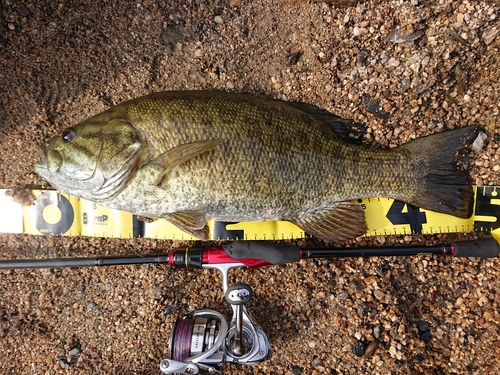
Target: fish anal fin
[342,222]
[191,221]
[163,164]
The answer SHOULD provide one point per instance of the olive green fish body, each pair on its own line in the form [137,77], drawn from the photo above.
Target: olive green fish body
[195,155]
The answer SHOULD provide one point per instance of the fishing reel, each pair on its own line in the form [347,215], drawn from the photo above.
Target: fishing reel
[203,339]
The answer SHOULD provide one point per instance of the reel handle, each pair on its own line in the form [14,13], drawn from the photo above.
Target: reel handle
[237,295]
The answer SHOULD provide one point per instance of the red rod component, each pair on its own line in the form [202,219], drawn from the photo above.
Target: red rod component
[217,255]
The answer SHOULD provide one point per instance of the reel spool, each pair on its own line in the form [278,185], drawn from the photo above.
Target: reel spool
[193,336]
[197,343]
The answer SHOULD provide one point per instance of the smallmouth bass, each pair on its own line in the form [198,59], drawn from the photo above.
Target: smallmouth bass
[190,156]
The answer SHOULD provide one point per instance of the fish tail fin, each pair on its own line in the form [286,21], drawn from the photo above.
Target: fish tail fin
[442,173]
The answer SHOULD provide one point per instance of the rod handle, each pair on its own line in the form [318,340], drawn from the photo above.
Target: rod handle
[270,252]
[482,248]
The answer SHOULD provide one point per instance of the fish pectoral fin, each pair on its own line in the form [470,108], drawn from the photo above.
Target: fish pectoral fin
[344,221]
[192,222]
[164,163]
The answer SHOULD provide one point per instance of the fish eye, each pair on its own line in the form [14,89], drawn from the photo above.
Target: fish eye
[68,135]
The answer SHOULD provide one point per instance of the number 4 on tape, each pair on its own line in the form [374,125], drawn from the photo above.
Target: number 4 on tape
[413,216]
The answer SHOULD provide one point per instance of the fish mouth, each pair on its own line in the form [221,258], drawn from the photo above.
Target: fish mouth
[51,159]
[41,165]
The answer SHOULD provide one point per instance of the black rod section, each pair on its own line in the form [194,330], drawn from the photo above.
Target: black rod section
[379,252]
[81,262]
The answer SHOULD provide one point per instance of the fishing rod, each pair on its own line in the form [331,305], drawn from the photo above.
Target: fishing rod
[203,340]
[254,254]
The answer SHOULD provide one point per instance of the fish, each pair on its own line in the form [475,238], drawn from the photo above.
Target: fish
[191,156]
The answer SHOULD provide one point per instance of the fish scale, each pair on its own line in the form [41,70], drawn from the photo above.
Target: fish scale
[234,157]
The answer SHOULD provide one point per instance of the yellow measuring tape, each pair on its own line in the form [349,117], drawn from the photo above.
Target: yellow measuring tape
[54,213]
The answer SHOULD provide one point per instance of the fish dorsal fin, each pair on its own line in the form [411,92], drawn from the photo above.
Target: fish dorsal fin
[342,222]
[163,164]
[191,221]
[346,129]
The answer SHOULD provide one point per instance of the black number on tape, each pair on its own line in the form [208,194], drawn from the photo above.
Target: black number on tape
[414,217]
[484,207]
[52,198]
[221,231]
[138,227]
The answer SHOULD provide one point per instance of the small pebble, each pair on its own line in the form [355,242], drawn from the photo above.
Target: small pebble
[23,10]
[316,362]
[373,106]
[479,142]
[63,363]
[490,34]
[425,336]
[370,280]
[423,325]
[296,370]
[370,349]
[294,58]
[361,59]
[364,309]
[359,348]
[73,355]
[379,294]
[400,36]
[357,31]
[393,63]
[11,26]
[171,35]
[169,310]
[343,296]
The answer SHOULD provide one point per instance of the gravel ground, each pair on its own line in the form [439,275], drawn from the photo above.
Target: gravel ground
[404,68]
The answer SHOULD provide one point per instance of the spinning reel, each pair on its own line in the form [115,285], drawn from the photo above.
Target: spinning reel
[203,340]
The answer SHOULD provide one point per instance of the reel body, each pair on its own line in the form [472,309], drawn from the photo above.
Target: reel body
[203,340]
